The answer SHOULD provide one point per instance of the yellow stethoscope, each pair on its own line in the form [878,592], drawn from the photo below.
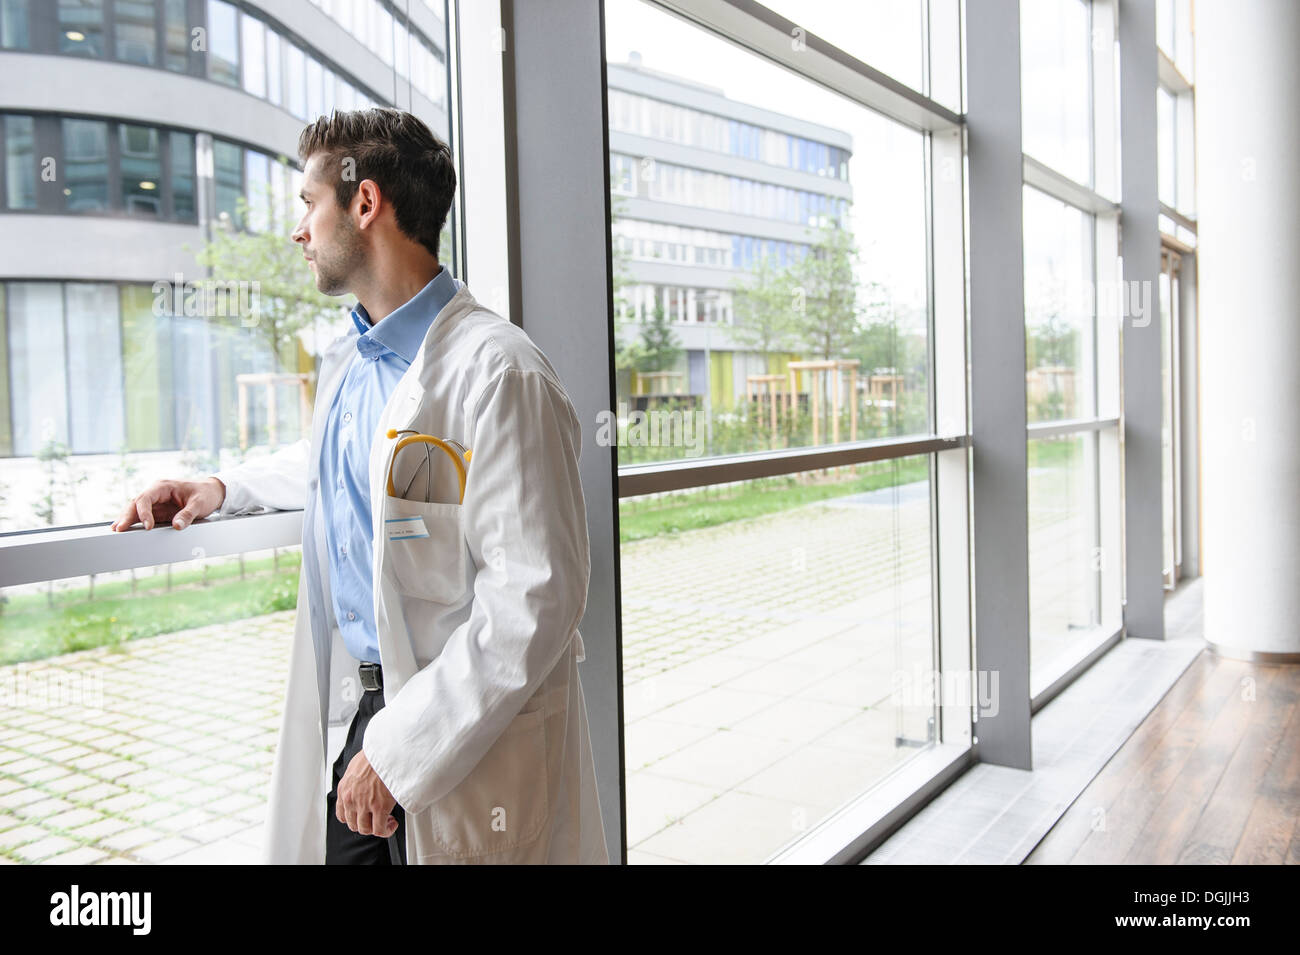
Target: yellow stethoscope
[455,450]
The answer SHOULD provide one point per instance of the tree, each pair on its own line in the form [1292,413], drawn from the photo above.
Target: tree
[628,351]
[765,302]
[660,347]
[827,316]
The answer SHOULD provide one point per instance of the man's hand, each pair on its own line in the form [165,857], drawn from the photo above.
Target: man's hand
[363,801]
[177,502]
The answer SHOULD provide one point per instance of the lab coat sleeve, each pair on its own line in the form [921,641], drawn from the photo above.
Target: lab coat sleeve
[277,481]
[526,526]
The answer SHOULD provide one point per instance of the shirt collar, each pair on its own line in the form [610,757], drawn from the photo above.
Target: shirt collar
[403,330]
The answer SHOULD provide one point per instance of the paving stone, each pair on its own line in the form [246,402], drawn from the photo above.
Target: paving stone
[39,850]
[83,855]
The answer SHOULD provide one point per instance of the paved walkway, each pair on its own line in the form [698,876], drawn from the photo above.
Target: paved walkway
[763,665]
[159,753]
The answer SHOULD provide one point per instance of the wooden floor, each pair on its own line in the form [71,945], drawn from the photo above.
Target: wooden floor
[1212,776]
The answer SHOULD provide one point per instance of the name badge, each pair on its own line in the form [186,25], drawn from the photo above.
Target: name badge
[405,528]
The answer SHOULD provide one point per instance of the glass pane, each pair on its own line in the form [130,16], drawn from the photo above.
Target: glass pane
[182,175]
[15,24]
[274,68]
[81,27]
[20,162]
[135,25]
[1064,547]
[6,426]
[141,170]
[228,162]
[772,294]
[1166,147]
[94,368]
[257,182]
[178,36]
[296,80]
[85,157]
[887,35]
[254,59]
[204,759]
[315,102]
[1056,86]
[37,374]
[223,42]
[1059,310]
[777,640]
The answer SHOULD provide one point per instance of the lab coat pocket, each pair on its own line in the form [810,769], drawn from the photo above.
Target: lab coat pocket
[426,548]
[503,802]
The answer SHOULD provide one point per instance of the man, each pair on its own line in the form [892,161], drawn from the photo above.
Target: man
[456,611]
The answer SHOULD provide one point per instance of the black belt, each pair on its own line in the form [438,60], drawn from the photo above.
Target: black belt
[372,676]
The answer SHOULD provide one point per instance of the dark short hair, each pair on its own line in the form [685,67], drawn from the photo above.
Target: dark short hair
[411,166]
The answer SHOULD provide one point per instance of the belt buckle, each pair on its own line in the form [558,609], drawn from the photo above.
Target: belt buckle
[372,677]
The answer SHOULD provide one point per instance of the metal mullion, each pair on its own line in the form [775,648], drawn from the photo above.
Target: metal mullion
[637,480]
[1056,429]
[1047,180]
[767,34]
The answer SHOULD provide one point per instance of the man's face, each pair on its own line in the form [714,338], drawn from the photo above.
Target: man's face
[328,236]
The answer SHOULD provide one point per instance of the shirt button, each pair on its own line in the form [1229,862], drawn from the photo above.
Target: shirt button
[343,548]
[340,482]
[351,615]
[347,416]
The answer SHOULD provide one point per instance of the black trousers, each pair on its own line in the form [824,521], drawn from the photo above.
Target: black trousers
[342,845]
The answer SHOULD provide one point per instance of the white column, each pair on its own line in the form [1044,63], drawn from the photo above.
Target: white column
[1247,139]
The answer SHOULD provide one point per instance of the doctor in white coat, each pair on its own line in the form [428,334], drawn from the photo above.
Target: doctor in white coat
[483,737]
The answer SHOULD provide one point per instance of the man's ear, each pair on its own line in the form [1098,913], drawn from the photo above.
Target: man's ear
[368,198]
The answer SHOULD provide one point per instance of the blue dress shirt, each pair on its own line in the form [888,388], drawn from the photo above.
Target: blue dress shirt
[384,352]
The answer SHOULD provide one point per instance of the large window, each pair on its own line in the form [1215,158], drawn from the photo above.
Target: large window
[772,293]
[1073,302]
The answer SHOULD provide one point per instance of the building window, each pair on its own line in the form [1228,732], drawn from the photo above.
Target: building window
[141,170]
[253,32]
[135,31]
[20,162]
[223,43]
[229,185]
[178,36]
[15,25]
[85,152]
[182,169]
[81,27]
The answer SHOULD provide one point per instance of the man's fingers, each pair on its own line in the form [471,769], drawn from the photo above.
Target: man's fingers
[144,509]
[390,826]
[183,517]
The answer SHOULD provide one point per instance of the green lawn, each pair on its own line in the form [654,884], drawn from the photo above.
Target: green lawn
[32,629]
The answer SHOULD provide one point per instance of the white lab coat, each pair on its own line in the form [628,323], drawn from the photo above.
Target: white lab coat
[483,738]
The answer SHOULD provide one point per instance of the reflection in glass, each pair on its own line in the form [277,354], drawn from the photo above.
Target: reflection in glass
[20,162]
[1064,546]
[81,27]
[36,368]
[1059,310]
[777,638]
[254,58]
[223,42]
[94,367]
[134,23]
[228,164]
[1056,85]
[141,170]
[178,35]
[182,163]
[15,25]
[85,162]
[775,295]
